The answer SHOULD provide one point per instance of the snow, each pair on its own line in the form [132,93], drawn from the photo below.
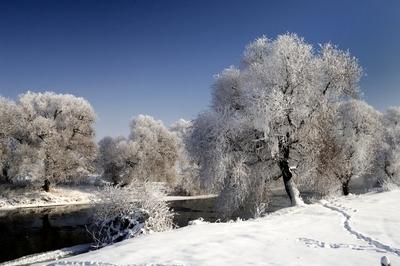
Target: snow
[35,197]
[51,255]
[356,230]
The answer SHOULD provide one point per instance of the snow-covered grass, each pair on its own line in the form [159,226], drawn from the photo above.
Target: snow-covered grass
[32,197]
[353,230]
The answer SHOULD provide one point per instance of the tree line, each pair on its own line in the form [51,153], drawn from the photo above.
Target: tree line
[289,111]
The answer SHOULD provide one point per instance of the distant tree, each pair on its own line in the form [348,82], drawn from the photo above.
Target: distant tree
[113,160]
[261,113]
[186,169]
[156,149]
[391,147]
[149,154]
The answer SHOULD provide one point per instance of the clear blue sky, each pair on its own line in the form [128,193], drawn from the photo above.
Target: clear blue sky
[159,57]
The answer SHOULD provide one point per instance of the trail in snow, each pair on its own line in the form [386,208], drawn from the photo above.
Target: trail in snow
[81,263]
[372,243]
[321,244]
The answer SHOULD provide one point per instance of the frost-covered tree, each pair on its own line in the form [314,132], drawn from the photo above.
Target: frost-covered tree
[156,149]
[51,137]
[47,136]
[391,147]
[10,122]
[360,134]
[60,127]
[344,144]
[186,169]
[261,112]
[325,152]
[111,159]
[149,154]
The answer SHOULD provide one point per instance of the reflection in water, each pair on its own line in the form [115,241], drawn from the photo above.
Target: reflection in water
[31,231]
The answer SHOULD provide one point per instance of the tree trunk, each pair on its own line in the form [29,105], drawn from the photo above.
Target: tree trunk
[5,174]
[345,187]
[46,186]
[290,186]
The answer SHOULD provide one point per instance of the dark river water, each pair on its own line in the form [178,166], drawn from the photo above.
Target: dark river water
[30,231]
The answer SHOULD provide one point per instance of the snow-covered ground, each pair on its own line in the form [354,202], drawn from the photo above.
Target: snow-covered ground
[50,255]
[35,197]
[20,198]
[356,230]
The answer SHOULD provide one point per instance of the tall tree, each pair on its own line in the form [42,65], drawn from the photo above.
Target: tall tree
[271,100]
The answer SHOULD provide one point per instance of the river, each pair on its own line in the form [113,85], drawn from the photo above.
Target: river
[29,231]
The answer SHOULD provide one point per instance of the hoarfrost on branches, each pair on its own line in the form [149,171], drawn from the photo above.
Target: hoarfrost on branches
[128,212]
[49,136]
[149,154]
[261,113]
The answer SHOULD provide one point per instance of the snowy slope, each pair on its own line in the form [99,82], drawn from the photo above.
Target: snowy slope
[357,230]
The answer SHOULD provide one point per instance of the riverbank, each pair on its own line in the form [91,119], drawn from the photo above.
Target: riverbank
[59,197]
[37,234]
[353,230]
[35,197]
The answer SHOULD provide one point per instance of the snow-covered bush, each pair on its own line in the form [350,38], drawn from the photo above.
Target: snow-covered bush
[127,212]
